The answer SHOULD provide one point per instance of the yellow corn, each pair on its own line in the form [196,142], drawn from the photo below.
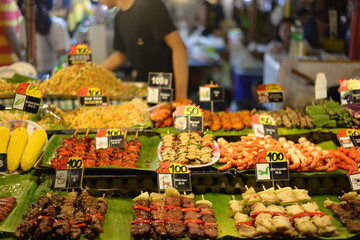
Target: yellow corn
[4,138]
[18,141]
[33,149]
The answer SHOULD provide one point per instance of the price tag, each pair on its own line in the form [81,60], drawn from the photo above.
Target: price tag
[320,86]
[271,166]
[354,176]
[188,118]
[3,162]
[188,123]
[172,174]
[270,93]
[160,80]
[112,137]
[79,54]
[263,125]
[191,110]
[27,98]
[70,176]
[74,163]
[213,93]
[92,97]
[159,95]
[349,138]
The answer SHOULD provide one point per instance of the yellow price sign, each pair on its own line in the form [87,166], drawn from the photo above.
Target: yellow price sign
[94,91]
[273,87]
[33,91]
[266,120]
[74,163]
[352,132]
[113,132]
[353,84]
[275,156]
[190,110]
[178,168]
[82,49]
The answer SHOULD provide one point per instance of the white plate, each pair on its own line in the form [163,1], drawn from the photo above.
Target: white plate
[214,159]
[24,69]
[7,72]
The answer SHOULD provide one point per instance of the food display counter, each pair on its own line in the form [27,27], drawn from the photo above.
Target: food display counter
[223,178]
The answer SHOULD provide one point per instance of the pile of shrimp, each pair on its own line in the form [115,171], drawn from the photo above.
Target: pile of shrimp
[301,156]
[226,120]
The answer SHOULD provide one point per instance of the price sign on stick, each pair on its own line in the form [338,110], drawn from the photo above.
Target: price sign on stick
[320,86]
[70,175]
[264,124]
[27,98]
[173,174]
[3,162]
[211,92]
[271,166]
[270,93]
[354,176]
[112,137]
[159,89]
[349,138]
[188,118]
[79,54]
[92,97]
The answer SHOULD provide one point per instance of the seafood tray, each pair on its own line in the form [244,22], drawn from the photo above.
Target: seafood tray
[147,160]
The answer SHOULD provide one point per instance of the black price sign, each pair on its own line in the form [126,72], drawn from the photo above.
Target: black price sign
[188,123]
[215,94]
[115,141]
[69,178]
[271,166]
[355,96]
[93,101]
[26,103]
[3,162]
[72,176]
[354,180]
[160,80]
[271,130]
[174,175]
[276,97]
[159,95]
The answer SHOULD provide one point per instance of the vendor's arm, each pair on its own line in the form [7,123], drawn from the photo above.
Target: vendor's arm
[12,39]
[180,63]
[114,61]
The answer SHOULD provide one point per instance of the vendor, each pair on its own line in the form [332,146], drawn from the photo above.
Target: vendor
[282,44]
[146,36]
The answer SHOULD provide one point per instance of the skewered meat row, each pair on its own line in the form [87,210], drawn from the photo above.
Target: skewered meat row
[171,215]
[187,148]
[347,210]
[63,217]
[6,204]
[284,212]
[85,149]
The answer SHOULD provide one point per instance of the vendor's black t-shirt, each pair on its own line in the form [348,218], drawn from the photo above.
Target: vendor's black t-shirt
[139,33]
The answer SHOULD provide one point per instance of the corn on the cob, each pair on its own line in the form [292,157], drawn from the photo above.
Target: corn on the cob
[18,141]
[4,138]
[33,149]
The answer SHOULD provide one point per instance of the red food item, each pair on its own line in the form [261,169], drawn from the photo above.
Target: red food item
[141,221]
[244,223]
[139,207]
[311,214]
[190,209]
[198,221]
[254,214]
